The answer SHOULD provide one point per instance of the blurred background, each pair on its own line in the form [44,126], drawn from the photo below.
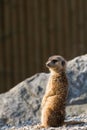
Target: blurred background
[33,30]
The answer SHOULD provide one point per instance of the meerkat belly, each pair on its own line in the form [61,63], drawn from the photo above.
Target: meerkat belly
[54,101]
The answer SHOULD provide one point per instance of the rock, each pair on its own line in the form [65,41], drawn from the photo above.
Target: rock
[22,103]
[77,75]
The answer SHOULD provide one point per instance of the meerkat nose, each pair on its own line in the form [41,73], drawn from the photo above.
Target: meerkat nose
[48,64]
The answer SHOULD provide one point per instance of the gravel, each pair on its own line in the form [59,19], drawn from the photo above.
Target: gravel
[33,126]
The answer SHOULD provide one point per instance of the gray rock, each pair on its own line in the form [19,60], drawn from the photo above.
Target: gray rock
[22,103]
[77,76]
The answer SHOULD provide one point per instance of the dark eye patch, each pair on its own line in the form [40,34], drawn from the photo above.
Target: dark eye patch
[54,61]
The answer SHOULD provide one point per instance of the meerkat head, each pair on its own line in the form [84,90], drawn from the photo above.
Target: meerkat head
[56,64]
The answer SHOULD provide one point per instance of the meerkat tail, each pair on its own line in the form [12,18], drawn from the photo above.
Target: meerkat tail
[67,123]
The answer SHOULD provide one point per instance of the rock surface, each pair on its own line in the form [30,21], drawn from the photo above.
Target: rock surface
[22,103]
[77,75]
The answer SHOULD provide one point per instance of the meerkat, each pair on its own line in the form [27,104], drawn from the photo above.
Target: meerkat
[54,101]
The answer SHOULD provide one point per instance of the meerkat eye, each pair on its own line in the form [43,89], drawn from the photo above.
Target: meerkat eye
[54,61]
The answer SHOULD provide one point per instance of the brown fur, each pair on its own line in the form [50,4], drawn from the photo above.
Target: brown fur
[54,100]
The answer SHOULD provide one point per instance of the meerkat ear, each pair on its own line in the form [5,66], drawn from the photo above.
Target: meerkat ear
[63,63]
